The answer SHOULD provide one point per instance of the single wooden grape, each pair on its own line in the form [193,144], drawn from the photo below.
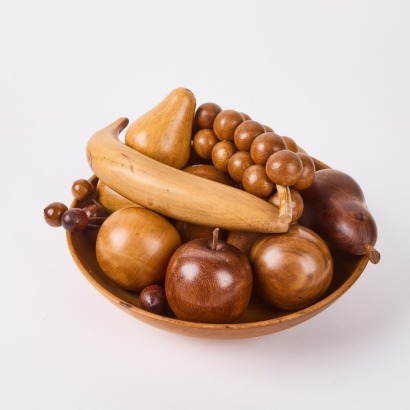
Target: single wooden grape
[291,144]
[308,172]
[205,115]
[284,167]
[245,133]
[225,124]
[221,153]
[256,182]
[238,163]
[264,145]
[203,142]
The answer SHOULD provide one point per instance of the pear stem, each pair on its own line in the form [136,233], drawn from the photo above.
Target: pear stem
[215,236]
[285,207]
[372,254]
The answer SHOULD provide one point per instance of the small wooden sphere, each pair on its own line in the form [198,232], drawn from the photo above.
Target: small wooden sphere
[264,145]
[205,115]
[238,163]
[245,116]
[82,189]
[221,153]
[256,182]
[308,172]
[54,212]
[134,246]
[245,133]
[292,270]
[284,167]
[291,144]
[203,142]
[225,124]
[153,299]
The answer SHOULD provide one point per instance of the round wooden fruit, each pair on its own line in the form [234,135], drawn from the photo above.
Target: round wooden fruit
[134,246]
[292,270]
[208,281]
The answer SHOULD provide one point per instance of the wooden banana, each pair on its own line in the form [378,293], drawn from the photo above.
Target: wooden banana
[175,193]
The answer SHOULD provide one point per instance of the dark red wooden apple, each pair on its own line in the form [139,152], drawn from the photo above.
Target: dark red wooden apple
[208,281]
[335,208]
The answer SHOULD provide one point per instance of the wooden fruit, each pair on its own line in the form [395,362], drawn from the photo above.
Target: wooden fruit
[335,208]
[111,200]
[244,241]
[259,319]
[134,246]
[308,172]
[292,270]
[208,171]
[188,232]
[225,124]
[174,193]
[205,115]
[208,281]
[164,132]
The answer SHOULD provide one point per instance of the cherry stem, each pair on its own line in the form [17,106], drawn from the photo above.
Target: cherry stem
[372,254]
[98,203]
[93,222]
[215,236]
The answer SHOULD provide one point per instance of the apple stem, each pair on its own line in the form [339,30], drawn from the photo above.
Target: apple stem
[372,254]
[215,236]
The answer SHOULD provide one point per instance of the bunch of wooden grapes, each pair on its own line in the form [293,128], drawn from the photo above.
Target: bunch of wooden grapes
[256,158]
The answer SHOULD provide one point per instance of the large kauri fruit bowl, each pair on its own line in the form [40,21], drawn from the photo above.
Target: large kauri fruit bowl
[259,319]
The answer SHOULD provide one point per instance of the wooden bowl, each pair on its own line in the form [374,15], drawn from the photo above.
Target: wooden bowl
[259,319]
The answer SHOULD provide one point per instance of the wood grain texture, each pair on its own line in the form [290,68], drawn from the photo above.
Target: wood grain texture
[164,132]
[175,193]
[259,318]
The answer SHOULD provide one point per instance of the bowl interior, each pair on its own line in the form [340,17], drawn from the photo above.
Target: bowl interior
[258,319]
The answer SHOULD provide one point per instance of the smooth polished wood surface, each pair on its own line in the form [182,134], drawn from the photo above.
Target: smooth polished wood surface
[164,132]
[259,318]
[174,193]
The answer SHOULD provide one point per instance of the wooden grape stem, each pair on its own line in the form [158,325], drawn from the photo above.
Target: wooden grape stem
[285,207]
[215,237]
[372,253]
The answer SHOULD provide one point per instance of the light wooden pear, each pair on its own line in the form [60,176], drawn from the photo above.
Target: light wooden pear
[164,132]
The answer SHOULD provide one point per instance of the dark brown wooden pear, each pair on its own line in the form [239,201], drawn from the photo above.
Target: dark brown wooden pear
[335,208]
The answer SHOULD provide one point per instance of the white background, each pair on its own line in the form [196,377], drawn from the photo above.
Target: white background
[332,74]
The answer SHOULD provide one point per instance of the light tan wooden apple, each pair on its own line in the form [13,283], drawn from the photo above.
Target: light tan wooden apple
[134,246]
